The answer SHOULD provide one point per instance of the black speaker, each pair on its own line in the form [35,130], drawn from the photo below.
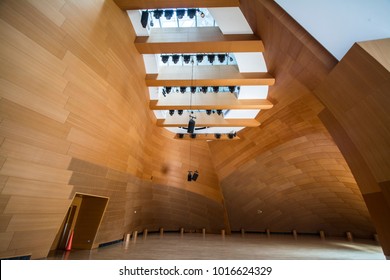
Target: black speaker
[191,126]
[144,18]
[189,176]
[195,176]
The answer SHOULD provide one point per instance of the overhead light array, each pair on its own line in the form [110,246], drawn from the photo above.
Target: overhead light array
[222,58]
[208,112]
[201,89]
[168,14]
[218,136]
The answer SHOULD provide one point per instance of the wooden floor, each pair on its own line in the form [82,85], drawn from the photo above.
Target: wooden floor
[195,246]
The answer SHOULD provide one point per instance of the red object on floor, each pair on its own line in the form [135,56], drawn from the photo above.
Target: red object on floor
[69,245]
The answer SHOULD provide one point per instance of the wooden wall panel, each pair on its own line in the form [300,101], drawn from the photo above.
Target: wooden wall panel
[71,90]
[356,96]
[289,167]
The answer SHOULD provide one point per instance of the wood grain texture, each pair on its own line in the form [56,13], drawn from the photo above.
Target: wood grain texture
[223,75]
[196,40]
[290,160]
[153,4]
[74,117]
[220,100]
[71,86]
[356,96]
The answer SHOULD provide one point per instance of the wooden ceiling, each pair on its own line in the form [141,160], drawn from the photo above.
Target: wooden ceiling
[201,40]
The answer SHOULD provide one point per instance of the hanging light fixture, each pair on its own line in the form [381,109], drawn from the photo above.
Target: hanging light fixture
[180,13]
[186,59]
[164,58]
[191,176]
[144,18]
[168,14]
[175,58]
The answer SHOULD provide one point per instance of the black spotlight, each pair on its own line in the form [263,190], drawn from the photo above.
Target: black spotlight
[216,89]
[193,135]
[191,13]
[180,135]
[232,89]
[221,58]
[208,112]
[203,89]
[183,89]
[168,89]
[199,58]
[164,58]
[187,59]
[189,176]
[168,14]
[180,13]
[191,126]
[193,89]
[219,112]
[144,18]
[175,58]
[171,112]
[195,176]
[180,112]
[211,57]
[157,14]
[218,135]
[231,135]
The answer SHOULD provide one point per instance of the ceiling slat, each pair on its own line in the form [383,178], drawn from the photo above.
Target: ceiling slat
[196,40]
[158,4]
[221,75]
[209,101]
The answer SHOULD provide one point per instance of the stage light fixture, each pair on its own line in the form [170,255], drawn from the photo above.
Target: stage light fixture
[219,112]
[211,58]
[171,112]
[195,175]
[221,58]
[168,14]
[175,58]
[183,89]
[218,135]
[216,89]
[203,89]
[180,135]
[164,58]
[144,18]
[208,112]
[180,13]
[157,14]
[180,112]
[193,89]
[191,126]
[189,176]
[191,13]
[232,89]
[231,135]
[199,58]
[187,59]
[193,135]
[168,89]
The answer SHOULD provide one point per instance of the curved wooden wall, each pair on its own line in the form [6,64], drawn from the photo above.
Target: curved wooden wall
[289,168]
[74,118]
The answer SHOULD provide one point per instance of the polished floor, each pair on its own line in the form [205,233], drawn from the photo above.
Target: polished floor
[193,246]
